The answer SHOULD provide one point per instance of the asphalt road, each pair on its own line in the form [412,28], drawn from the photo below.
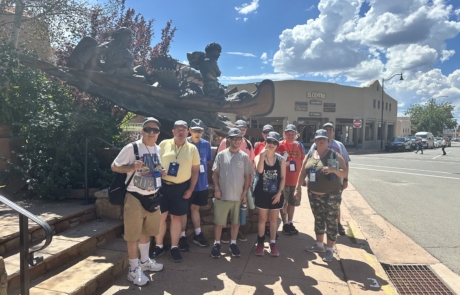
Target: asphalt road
[419,194]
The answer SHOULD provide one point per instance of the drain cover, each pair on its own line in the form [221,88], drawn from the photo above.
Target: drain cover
[415,279]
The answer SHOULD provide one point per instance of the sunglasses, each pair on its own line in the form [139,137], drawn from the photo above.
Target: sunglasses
[269,141]
[197,131]
[266,131]
[236,138]
[150,129]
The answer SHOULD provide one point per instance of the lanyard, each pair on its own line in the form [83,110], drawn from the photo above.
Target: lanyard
[175,150]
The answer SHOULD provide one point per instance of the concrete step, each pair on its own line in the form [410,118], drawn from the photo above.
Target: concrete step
[60,216]
[65,248]
[84,277]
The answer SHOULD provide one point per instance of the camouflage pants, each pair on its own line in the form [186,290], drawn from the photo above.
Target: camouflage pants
[325,209]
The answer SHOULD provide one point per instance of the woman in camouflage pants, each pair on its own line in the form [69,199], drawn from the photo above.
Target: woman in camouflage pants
[324,191]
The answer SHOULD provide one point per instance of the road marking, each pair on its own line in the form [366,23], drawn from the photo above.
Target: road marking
[439,156]
[402,168]
[400,172]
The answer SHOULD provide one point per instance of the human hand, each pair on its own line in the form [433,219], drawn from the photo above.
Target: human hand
[297,194]
[256,145]
[217,194]
[243,198]
[163,172]
[276,198]
[138,164]
[187,194]
[345,185]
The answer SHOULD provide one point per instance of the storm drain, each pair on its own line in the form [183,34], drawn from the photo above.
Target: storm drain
[415,279]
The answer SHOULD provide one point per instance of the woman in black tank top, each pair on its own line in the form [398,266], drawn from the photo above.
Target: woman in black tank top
[268,191]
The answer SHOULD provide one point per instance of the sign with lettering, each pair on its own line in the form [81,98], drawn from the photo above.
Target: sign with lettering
[301,106]
[329,105]
[316,95]
[329,110]
[315,114]
[316,102]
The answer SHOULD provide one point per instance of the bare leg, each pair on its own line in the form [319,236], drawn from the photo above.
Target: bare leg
[217,232]
[234,231]
[133,250]
[261,224]
[283,213]
[330,243]
[161,233]
[175,229]
[320,238]
[183,221]
[338,217]
[195,215]
[273,223]
[290,212]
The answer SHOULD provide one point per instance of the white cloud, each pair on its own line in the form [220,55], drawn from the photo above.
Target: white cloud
[446,54]
[239,68]
[248,8]
[245,19]
[311,7]
[242,54]
[245,79]
[264,58]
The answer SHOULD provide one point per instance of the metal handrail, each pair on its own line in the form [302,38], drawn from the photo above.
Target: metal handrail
[25,256]
[86,202]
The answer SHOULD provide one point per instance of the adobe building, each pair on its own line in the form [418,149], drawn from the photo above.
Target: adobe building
[309,105]
[403,126]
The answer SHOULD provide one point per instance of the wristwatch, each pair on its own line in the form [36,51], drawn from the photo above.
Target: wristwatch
[345,179]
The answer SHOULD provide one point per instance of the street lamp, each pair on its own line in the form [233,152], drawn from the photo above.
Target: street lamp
[381,124]
[431,109]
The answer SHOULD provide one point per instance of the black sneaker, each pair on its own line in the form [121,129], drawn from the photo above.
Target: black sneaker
[287,229]
[242,237]
[341,229]
[234,250]
[183,245]
[175,254]
[294,231]
[200,240]
[157,252]
[215,252]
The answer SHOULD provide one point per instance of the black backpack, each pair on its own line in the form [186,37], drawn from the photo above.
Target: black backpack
[117,189]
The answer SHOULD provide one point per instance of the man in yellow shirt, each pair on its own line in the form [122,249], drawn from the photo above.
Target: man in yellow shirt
[182,163]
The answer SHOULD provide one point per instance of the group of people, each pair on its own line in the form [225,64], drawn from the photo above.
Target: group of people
[274,171]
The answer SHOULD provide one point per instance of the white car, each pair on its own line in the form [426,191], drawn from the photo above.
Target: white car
[437,142]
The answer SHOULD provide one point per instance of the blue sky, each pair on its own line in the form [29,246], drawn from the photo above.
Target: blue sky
[350,42]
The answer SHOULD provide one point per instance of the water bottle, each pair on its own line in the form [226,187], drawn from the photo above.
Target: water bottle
[243,212]
[250,198]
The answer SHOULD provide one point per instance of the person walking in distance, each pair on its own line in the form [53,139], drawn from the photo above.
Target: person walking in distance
[182,162]
[419,146]
[323,169]
[139,223]
[293,154]
[200,194]
[338,147]
[443,145]
[245,146]
[232,171]
[268,192]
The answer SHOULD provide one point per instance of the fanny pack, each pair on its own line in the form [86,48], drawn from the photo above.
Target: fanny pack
[150,202]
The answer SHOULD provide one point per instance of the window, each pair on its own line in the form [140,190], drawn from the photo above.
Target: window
[390,106]
[386,106]
[378,104]
[369,132]
[374,103]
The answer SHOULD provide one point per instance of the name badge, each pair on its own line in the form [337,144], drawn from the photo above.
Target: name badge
[201,168]
[173,169]
[292,167]
[157,179]
[312,177]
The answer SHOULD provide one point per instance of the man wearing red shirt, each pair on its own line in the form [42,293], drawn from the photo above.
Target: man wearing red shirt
[293,153]
[259,146]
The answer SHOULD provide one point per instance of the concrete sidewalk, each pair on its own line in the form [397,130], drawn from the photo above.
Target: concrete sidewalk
[354,269]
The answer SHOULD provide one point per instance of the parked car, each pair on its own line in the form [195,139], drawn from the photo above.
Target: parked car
[413,140]
[427,139]
[399,144]
[437,142]
[448,142]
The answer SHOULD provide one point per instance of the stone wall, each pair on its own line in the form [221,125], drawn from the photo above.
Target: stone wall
[3,277]
[105,210]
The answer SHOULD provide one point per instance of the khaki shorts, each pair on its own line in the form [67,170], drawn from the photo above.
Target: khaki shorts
[289,196]
[138,221]
[221,210]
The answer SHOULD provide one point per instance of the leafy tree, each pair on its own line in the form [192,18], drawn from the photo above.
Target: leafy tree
[433,116]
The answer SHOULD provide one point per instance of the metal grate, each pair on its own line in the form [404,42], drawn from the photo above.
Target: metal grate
[415,279]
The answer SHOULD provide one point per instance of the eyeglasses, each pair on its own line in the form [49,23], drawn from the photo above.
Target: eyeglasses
[236,138]
[266,131]
[150,129]
[269,141]
[197,130]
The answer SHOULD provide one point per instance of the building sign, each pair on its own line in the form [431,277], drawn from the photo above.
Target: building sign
[329,110]
[316,102]
[329,105]
[316,95]
[315,114]
[301,106]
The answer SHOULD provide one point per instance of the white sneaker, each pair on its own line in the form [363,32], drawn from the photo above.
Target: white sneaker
[137,277]
[150,265]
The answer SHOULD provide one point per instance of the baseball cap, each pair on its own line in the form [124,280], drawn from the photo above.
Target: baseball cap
[197,124]
[241,123]
[267,127]
[151,119]
[234,132]
[180,123]
[328,124]
[321,133]
[274,135]
[290,127]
